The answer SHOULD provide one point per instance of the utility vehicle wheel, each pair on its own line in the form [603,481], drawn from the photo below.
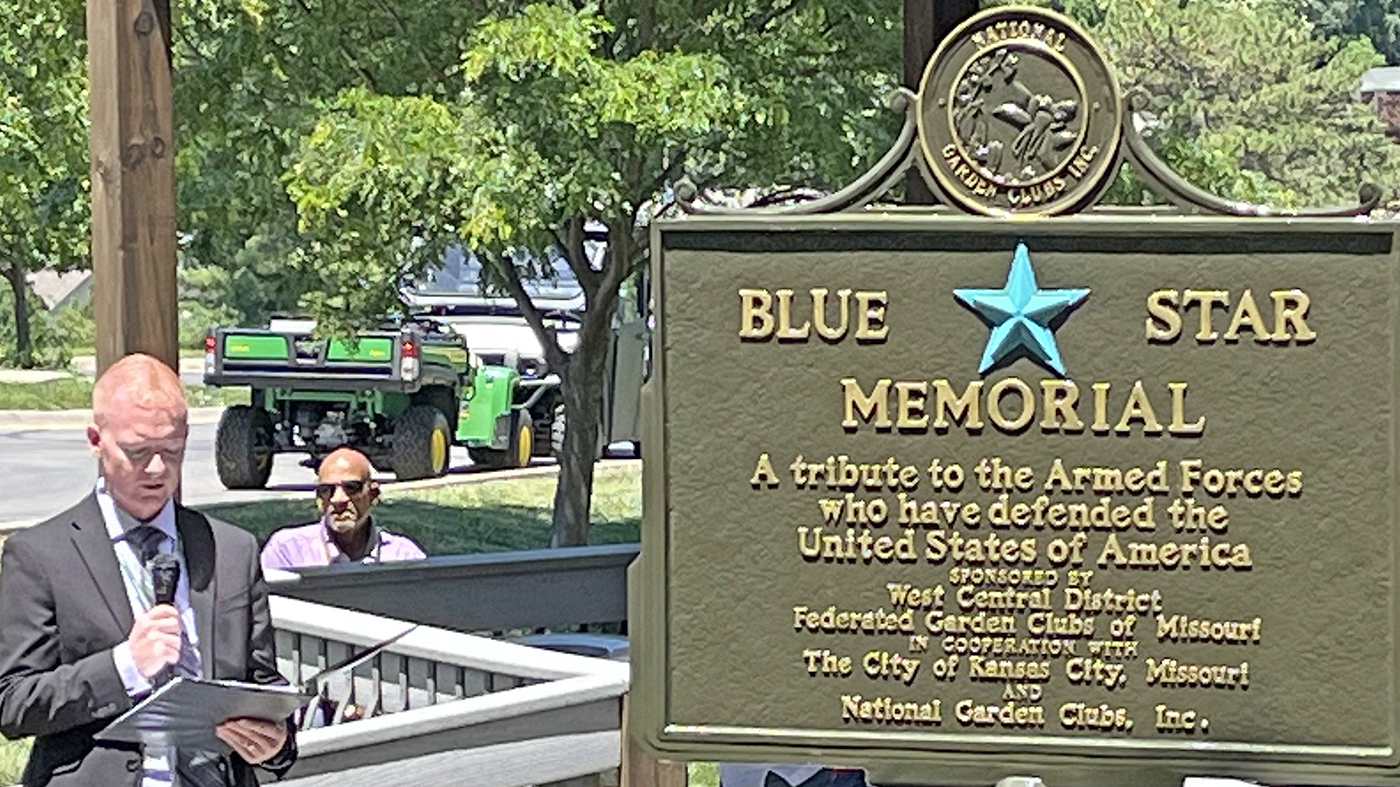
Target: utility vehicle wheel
[243,447]
[422,443]
[517,453]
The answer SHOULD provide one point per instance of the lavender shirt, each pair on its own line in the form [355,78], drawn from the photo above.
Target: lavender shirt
[308,546]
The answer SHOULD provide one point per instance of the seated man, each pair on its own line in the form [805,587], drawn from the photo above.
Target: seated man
[346,532]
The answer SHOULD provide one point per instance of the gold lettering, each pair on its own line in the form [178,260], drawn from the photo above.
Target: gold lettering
[910,409]
[786,332]
[1161,305]
[874,407]
[1138,407]
[1179,425]
[1247,314]
[1208,300]
[764,473]
[1060,398]
[1100,424]
[1290,307]
[870,320]
[994,397]
[965,408]
[755,314]
[819,313]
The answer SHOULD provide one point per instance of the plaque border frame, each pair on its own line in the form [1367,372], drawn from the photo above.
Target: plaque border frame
[971,758]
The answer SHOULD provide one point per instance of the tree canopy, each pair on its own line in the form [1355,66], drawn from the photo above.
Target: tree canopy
[1246,98]
[567,118]
[1377,20]
[44,192]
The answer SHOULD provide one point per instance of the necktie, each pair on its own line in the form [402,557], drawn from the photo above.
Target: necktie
[192,768]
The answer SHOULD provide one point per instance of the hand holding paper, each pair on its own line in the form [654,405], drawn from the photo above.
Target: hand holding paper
[254,740]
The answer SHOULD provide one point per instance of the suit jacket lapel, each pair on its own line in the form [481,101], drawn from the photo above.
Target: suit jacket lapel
[94,545]
[197,541]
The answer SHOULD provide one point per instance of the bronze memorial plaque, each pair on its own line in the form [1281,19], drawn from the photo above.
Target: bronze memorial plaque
[1104,500]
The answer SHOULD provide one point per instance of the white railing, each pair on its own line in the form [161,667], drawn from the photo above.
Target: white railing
[442,702]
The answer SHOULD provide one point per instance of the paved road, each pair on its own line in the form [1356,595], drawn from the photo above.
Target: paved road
[44,471]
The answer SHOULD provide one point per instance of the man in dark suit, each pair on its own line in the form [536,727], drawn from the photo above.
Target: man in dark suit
[81,637]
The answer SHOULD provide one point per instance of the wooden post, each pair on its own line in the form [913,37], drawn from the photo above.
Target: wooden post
[926,24]
[640,770]
[133,180]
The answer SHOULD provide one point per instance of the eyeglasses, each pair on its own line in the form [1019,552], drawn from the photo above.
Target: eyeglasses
[352,487]
[141,457]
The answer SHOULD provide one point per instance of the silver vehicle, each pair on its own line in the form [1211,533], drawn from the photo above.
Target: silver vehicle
[498,334]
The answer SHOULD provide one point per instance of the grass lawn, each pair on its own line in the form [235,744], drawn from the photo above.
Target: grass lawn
[488,517]
[491,516]
[703,774]
[65,394]
[75,393]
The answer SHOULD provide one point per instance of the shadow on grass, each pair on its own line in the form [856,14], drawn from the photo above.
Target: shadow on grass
[439,529]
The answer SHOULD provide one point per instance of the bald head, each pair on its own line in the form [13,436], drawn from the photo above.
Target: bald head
[342,464]
[345,493]
[138,431]
[138,381]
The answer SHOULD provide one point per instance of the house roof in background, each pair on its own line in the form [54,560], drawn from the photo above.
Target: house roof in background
[1385,79]
[56,289]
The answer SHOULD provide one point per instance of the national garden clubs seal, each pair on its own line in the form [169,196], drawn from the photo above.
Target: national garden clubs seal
[1019,113]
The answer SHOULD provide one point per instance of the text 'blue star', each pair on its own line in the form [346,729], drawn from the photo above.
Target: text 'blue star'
[1020,315]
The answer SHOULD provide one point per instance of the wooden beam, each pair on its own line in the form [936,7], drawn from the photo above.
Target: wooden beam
[926,24]
[640,770]
[133,180]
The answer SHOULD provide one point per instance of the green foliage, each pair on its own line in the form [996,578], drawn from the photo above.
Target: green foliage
[1246,86]
[50,333]
[1245,99]
[568,117]
[253,78]
[1377,20]
[68,393]
[43,142]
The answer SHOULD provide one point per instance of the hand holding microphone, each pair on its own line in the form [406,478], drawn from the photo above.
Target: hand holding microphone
[155,635]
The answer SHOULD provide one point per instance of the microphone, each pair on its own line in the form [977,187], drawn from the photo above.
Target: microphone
[165,576]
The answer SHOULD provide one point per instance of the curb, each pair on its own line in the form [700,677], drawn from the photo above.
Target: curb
[461,479]
[47,420]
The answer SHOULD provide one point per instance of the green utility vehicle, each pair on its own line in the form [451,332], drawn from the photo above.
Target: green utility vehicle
[402,395]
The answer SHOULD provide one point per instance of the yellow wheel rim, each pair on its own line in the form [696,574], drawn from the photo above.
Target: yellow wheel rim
[439,451]
[524,446]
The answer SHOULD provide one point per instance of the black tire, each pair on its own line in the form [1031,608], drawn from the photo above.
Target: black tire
[517,453]
[413,454]
[243,447]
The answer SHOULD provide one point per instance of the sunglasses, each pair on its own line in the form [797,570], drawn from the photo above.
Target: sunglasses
[352,487]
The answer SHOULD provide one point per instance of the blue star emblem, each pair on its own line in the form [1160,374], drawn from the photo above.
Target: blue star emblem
[1021,315]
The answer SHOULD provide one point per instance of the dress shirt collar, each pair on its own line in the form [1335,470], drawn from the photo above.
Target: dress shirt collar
[119,521]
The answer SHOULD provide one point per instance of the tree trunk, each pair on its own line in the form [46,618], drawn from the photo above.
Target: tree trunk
[926,24]
[23,344]
[582,385]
